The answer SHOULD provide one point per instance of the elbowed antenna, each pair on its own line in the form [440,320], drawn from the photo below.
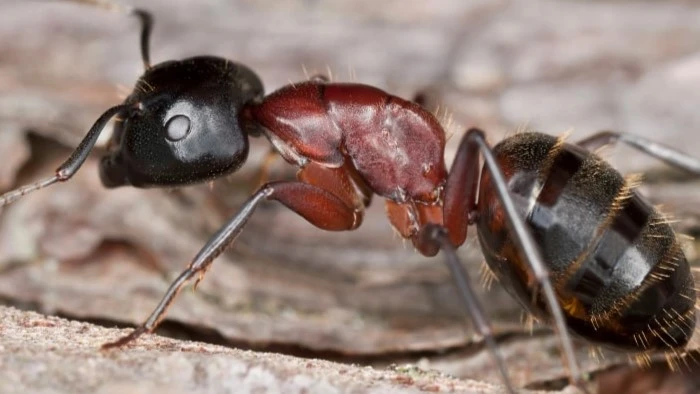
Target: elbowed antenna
[74,162]
[144,16]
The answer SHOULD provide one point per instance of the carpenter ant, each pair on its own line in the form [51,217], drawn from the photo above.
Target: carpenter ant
[564,232]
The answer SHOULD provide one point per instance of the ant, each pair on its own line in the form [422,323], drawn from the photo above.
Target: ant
[566,234]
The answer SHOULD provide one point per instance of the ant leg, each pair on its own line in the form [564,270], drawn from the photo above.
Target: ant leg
[463,175]
[460,190]
[662,152]
[144,16]
[432,233]
[213,248]
[70,166]
[317,205]
[264,172]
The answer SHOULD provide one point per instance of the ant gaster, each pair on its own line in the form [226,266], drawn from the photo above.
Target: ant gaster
[563,232]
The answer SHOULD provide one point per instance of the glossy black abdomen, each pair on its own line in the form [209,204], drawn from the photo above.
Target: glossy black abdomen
[615,263]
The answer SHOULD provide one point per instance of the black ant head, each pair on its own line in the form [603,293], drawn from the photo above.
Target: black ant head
[183,124]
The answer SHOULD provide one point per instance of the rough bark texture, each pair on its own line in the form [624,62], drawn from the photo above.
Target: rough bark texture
[50,355]
[107,255]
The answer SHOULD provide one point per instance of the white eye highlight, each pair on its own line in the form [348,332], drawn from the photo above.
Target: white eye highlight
[177,127]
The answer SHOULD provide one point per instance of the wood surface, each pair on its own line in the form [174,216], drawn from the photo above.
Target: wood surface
[105,256]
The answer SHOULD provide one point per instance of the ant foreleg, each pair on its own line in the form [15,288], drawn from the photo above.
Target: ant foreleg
[460,276]
[317,205]
[70,166]
[662,152]
[216,245]
[460,201]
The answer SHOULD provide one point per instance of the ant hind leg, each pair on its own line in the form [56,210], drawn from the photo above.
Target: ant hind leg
[460,207]
[657,150]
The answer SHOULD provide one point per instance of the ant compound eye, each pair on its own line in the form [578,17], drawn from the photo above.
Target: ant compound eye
[177,127]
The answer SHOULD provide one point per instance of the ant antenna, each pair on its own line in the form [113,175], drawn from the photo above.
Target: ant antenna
[70,166]
[144,16]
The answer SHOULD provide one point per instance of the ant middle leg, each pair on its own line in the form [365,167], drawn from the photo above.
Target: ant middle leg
[460,211]
[433,233]
[315,203]
[660,151]
[422,224]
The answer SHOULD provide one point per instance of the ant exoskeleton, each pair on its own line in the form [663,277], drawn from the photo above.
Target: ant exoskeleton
[564,232]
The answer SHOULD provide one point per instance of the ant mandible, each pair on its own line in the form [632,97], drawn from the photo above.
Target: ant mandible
[543,208]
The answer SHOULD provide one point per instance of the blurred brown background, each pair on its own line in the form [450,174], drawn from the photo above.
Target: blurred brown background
[106,256]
